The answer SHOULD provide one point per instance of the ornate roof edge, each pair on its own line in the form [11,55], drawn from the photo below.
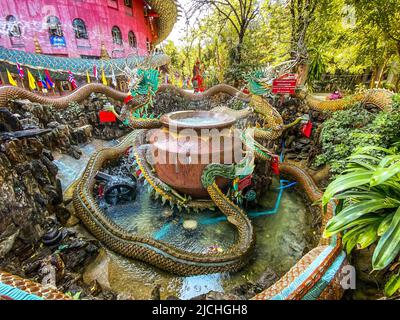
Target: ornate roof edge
[78,66]
[168,15]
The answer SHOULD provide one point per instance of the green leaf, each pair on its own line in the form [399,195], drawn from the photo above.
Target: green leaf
[373,148]
[360,195]
[351,213]
[388,247]
[363,221]
[350,238]
[393,184]
[360,165]
[385,224]
[363,157]
[77,295]
[383,174]
[392,286]
[388,159]
[351,243]
[368,236]
[345,182]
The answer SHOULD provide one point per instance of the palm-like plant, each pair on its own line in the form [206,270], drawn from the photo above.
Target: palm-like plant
[317,65]
[369,204]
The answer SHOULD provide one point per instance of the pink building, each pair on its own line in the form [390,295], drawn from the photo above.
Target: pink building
[78,28]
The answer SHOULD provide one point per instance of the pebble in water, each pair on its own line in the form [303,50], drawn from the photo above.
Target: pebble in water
[190,225]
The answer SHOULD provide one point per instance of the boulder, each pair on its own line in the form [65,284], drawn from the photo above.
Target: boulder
[9,121]
[98,270]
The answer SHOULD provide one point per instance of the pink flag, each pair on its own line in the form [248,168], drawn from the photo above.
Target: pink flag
[95,72]
[20,71]
[72,80]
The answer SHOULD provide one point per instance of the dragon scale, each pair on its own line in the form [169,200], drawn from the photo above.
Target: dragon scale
[155,252]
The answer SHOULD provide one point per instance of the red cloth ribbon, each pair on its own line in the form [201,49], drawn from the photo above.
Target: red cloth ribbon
[128,151]
[307,129]
[107,116]
[245,182]
[128,99]
[275,165]
[101,191]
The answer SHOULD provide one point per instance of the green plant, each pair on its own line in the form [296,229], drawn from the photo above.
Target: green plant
[360,88]
[317,65]
[349,129]
[75,296]
[369,204]
[393,285]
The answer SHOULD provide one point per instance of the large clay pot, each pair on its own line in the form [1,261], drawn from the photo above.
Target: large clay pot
[187,143]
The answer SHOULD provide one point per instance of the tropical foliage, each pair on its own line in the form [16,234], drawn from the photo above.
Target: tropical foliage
[369,206]
[357,38]
[317,66]
[356,127]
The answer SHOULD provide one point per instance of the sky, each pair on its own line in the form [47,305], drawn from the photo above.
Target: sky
[178,32]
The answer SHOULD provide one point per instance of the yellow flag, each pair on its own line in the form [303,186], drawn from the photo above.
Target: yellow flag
[103,78]
[11,79]
[32,81]
[87,77]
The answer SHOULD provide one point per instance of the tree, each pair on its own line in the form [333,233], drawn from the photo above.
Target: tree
[385,14]
[237,13]
[303,13]
[344,38]
[172,51]
[384,18]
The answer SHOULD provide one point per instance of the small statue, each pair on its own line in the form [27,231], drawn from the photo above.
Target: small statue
[335,96]
[198,79]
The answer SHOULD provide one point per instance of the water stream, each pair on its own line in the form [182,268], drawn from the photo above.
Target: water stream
[69,168]
[199,121]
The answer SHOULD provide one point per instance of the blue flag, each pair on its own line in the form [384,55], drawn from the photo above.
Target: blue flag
[48,79]
[42,81]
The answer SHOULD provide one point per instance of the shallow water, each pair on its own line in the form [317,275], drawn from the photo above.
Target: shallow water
[198,120]
[280,240]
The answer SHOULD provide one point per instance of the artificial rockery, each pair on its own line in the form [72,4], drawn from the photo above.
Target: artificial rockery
[316,275]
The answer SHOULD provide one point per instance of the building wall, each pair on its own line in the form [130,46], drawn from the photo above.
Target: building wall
[99,16]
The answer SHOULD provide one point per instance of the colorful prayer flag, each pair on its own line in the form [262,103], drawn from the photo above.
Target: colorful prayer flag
[20,71]
[72,80]
[95,72]
[87,77]
[48,79]
[11,79]
[42,83]
[32,81]
[113,78]
[103,77]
